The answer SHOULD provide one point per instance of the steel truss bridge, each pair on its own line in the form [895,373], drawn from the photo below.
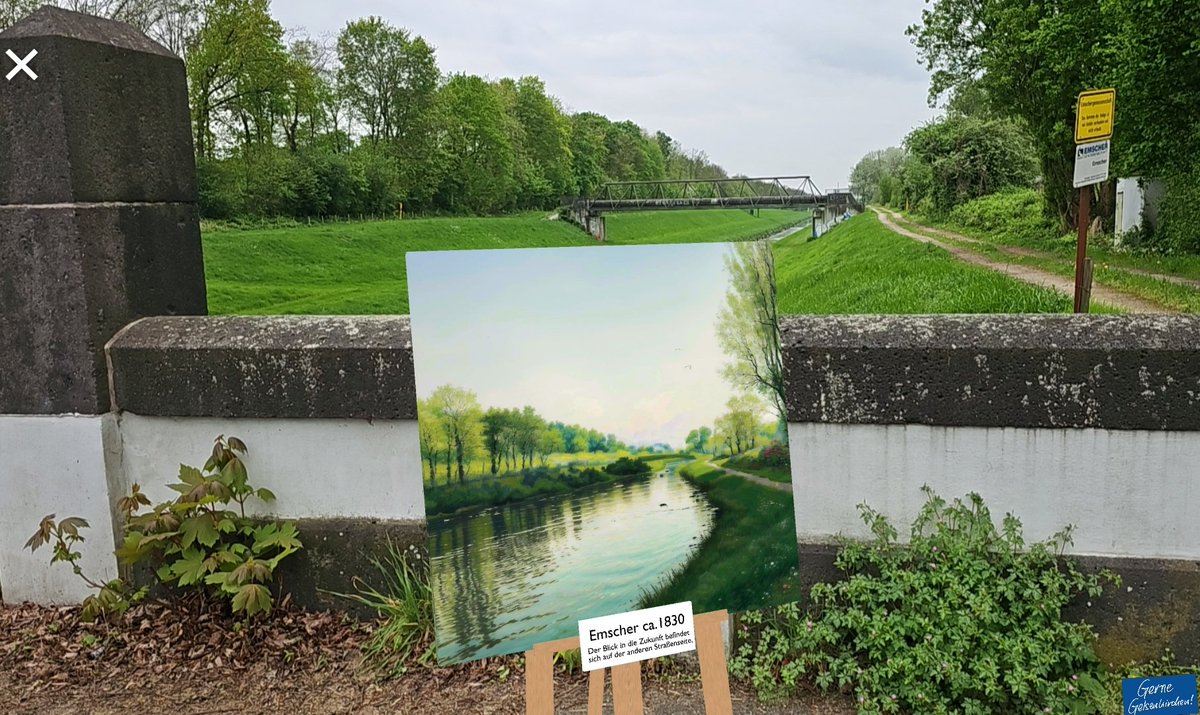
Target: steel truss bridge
[740,193]
[793,192]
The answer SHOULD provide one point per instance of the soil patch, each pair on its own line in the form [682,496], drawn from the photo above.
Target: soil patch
[188,657]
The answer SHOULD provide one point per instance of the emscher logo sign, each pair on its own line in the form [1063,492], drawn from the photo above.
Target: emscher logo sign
[1166,695]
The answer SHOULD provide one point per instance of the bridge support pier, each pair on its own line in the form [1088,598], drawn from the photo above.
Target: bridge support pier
[595,226]
[588,221]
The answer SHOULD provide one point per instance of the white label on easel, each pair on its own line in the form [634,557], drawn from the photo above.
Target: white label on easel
[637,635]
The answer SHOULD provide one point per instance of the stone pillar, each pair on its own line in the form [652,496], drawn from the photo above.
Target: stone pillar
[99,223]
[99,226]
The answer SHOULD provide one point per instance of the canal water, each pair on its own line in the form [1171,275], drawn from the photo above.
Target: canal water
[509,577]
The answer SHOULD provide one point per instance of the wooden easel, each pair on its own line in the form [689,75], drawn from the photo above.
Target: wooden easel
[627,679]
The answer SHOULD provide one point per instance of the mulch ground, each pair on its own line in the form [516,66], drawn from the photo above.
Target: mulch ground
[188,657]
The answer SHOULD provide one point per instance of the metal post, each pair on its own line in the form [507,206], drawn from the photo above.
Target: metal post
[1085,200]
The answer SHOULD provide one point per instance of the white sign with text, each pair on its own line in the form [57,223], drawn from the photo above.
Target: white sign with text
[1091,163]
[636,635]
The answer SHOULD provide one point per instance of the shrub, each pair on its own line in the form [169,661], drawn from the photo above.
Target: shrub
[963,619]
[627,467]
[197,540]
[1179,215]
[774,455]
[1013,216]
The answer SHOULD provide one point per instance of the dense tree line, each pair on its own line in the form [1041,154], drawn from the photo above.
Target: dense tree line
[737,430]
[456,431]
[367,123]
[1011,70]
[948,162]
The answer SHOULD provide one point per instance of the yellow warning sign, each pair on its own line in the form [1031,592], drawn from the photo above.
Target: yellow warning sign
[1094,115]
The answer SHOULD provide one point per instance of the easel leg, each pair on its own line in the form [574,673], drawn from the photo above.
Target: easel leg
[627,689]
[714,673]
[539,682]
[596,692]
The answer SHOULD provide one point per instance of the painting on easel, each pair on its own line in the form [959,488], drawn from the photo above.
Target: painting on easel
[601,431]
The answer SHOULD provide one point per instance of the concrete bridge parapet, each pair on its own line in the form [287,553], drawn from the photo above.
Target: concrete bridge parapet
[1091,421]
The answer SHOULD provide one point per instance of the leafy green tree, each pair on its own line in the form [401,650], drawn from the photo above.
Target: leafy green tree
[698,439]
[1030,59]
[431,435]
[496,424]
[549,442]
[748,326]
[308,96]
[588,150]
[1152,57]
[236,73]
[14,10]
[389,81]
[869,174]
[547,137]
[478,148]
[970,157]
[460,416]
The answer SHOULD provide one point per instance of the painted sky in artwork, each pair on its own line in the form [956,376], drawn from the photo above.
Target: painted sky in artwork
[620,339]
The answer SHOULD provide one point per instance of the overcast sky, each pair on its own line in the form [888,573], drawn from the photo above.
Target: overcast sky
[621,340]
[765,87]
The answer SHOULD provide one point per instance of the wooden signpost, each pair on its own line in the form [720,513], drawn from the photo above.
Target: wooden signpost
[1094,112]
[627,679]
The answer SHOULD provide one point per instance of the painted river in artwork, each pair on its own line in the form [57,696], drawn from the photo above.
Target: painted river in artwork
[526,573]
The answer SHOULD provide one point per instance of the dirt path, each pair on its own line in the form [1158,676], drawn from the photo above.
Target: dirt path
[780,486]
[1032,253]
[1027,274]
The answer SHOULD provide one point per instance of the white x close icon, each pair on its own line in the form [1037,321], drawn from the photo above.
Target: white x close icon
[22,64]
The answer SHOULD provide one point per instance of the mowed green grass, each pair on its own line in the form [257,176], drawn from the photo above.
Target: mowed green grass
[359,268]
[861,267]
[709,225]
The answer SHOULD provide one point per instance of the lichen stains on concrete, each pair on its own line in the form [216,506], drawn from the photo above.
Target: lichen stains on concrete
[1118,372]
[287,366]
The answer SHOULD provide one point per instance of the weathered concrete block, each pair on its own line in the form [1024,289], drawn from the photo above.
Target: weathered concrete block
[336,559]
[71,278]
[98,216]
[106,120]
[293,366]
[1116,372]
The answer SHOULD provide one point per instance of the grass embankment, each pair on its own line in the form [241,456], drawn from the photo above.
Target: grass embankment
[748,559]
[359,268]
[861,267]
[704,226]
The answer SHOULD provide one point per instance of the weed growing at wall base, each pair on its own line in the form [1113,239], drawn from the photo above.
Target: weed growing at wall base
[111,597]
[406,606]
[196,540]
[963,619]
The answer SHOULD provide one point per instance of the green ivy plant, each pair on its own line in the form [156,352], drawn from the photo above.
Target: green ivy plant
[111,597]
[201,540]
[963,619]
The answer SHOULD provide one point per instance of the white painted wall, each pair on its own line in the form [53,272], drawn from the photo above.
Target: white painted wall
[52,465]
[316,468]
[1128,493]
